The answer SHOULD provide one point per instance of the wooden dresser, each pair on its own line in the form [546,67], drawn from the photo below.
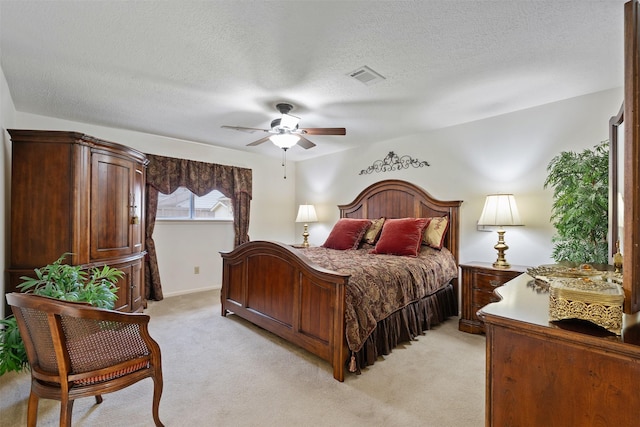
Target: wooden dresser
[479,280]
[560,374]
[74,193]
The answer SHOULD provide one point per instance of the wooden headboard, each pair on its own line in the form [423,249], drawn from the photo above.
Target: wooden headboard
[400,199]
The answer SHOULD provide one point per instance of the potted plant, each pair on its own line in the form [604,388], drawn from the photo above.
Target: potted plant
[580,212]
[61,281]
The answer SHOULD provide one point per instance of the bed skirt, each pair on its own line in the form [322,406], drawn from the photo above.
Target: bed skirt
[405,325]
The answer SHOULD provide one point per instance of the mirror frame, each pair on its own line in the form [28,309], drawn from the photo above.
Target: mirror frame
[631,237]
[616,164]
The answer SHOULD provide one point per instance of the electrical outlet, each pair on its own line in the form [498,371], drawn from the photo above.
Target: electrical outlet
[196,269]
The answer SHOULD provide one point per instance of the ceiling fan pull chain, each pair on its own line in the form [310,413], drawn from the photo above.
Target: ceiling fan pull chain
[284,162]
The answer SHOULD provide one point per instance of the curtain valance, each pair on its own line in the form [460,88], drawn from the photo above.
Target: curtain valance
[166,174]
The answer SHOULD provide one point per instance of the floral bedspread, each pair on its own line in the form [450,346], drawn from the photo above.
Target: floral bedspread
[382,284]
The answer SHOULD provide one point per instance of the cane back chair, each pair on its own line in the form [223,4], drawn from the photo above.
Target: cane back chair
[76,350]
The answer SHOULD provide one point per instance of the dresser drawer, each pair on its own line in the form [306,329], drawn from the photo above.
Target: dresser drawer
[489,281]
[482,298]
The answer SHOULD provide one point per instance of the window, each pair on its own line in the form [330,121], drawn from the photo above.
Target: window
[184,205]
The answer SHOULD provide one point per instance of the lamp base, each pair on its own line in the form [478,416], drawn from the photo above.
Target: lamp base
[503,265]
[305,236]
[501,246]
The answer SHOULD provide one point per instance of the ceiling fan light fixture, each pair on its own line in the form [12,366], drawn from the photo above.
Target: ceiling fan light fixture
[284,140]
[288,121]
[284,132]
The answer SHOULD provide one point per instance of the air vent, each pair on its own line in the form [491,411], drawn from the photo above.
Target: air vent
[366,75]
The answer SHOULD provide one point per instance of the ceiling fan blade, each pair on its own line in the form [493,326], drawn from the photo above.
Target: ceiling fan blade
[305,143]
[258,142]
[243,129]
[324,131]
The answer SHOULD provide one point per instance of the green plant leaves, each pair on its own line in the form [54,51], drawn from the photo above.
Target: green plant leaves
[580,211]
[64,282]
[13,356]
[71,283]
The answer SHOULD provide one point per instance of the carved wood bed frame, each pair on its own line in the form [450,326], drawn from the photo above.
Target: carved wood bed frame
[274,286]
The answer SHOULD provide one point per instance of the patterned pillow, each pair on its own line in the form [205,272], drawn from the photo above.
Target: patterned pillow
[434,234]
[347,233]
[402,236]
[373,232]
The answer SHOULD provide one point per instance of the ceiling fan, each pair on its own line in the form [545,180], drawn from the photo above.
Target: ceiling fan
[285,132]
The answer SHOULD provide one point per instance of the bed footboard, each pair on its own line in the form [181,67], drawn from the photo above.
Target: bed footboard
[277,288]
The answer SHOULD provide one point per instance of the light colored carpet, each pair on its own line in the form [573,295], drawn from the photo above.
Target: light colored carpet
[225,372]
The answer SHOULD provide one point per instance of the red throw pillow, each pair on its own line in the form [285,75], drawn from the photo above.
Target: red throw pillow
[347,233]
[401,236]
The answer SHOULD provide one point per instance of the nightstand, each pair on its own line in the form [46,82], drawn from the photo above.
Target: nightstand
[479,280]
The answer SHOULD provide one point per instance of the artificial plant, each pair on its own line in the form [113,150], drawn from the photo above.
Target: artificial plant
[61,281]
[580,211]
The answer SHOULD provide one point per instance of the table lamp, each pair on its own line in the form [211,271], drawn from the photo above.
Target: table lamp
[306,214]
[500,210]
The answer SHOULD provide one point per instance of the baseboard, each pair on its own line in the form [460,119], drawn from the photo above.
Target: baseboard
[191,291]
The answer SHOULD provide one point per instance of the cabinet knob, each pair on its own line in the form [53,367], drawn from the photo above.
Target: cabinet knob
[495,283]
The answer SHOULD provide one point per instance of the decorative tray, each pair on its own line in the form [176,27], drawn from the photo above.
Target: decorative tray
[544,274]
[593,299]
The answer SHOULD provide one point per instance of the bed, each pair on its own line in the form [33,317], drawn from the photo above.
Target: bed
[314,297]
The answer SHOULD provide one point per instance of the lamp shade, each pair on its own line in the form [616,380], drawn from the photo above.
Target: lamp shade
[284,140]
[501,210]
[306,213]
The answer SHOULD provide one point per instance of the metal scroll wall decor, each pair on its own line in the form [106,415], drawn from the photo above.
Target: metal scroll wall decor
[393,162]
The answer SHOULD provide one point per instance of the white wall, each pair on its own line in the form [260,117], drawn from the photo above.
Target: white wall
[202,241]
[508,153]
[182,246]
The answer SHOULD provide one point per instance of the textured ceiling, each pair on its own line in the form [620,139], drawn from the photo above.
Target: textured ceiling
[184,68]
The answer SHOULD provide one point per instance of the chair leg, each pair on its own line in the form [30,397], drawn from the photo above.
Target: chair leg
[157,393]
[66,408]
[32,411]
[98,399]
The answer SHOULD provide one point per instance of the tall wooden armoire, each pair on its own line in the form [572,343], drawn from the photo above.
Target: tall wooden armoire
[74,193]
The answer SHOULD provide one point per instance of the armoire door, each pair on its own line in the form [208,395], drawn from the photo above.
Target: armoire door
[130,286]
[123,303]
[136,289]
[138,211]
[112,206]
